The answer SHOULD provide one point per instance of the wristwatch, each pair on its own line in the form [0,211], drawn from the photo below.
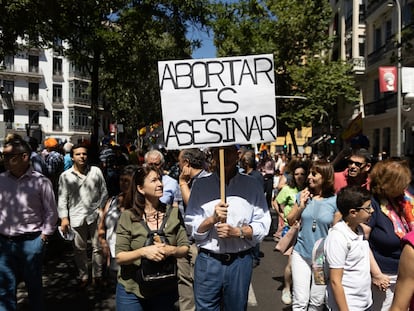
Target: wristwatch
[241,233]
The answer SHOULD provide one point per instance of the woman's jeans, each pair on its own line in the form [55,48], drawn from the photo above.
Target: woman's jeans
[130,302]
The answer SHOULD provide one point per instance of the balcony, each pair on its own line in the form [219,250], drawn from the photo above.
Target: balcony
[78,74]
[57,76]
[34,100]
[83,103]
[57,102]
[80,102]
[22,71]
[379,53]
[381,105]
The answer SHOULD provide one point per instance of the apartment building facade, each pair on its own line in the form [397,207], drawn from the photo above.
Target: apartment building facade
[366,35]
[43,94]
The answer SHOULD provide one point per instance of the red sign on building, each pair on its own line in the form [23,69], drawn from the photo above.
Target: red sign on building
[388,79]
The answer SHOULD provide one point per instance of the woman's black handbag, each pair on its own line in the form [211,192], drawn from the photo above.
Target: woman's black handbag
[157,273]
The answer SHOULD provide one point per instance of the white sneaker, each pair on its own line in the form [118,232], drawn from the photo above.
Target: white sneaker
[286,296]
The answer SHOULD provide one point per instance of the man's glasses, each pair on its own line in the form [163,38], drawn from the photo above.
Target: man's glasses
[357,164]
[368,209]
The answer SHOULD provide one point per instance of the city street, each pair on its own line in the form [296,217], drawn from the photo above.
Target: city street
[61,292]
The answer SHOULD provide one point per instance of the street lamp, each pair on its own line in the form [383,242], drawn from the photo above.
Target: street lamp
[399,84]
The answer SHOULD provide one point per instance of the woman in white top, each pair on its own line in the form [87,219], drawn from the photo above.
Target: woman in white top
[109,218]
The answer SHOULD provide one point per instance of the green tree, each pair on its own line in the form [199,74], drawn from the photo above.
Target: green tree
[117,42]
[296,32]
[145,34]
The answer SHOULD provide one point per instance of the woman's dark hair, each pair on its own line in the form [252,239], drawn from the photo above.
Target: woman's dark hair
[134,200]
[351,197]
[129,170]
[292,181]
[328,176]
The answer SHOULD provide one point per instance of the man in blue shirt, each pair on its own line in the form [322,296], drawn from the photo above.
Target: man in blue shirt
[225,233]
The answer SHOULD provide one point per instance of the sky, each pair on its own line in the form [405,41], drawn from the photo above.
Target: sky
[207,49]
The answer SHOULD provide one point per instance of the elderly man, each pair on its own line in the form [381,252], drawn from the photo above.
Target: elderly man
[192,163]
[225,233]
[170,185]
[27,217]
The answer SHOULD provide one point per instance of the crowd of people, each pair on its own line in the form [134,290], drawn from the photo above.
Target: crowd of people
[170,228]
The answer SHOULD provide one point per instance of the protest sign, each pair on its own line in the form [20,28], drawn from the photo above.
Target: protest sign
[218,102]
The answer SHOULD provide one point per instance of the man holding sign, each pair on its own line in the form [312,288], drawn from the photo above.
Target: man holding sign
[225,233]
[218,103]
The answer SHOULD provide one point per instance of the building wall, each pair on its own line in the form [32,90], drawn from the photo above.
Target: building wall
[45,104]
[379,29]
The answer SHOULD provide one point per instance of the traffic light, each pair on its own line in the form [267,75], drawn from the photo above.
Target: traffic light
[332,141]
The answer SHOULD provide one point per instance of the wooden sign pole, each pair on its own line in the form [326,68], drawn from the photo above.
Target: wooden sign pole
[222,177]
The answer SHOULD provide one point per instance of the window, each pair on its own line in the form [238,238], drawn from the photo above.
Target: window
[57,66]
[388,29]
[57,93]
[79,119]
[361,46]
[6,96]
[33,91]
[57,121]
[376,142]
[33,63]
[377,39]
[8,115]
[8,62]
[33,117]
[386,140]
[376,89]
[8,86]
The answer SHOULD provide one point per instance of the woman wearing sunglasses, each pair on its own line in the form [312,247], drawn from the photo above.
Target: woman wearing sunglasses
[316,208]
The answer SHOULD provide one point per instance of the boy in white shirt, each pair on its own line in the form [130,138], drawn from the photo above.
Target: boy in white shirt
[348,253]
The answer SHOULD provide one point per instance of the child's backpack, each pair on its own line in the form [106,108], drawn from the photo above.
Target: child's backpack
[320,267]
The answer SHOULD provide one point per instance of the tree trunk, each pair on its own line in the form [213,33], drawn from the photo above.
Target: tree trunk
[94,148]
[295,144]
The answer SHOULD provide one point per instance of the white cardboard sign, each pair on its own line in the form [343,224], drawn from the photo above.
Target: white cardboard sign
[218,102]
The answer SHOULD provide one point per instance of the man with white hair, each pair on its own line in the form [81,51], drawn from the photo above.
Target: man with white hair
[67,159]
[170,185]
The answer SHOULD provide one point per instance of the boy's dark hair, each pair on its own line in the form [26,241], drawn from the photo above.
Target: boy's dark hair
[351,197]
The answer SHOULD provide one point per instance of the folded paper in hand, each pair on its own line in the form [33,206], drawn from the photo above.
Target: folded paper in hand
[68,236]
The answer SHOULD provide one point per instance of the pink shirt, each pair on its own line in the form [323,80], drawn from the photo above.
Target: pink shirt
[27,204]
[341,181]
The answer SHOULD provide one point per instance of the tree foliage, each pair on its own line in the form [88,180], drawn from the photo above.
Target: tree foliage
[118,42]
[146,33]
[296,32]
